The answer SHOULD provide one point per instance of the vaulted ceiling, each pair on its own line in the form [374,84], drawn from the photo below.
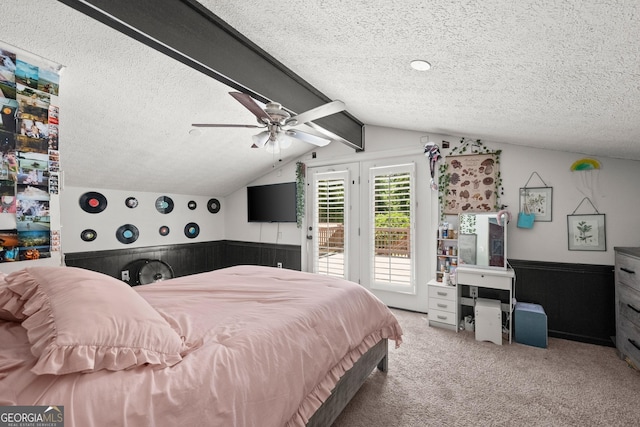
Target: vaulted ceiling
[555,75]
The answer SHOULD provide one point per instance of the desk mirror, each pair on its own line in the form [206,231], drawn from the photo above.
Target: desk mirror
[482,240]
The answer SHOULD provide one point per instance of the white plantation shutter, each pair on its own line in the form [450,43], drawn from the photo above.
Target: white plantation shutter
[392,233]
[330,226]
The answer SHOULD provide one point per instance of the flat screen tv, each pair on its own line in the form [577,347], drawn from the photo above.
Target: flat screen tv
[272,203]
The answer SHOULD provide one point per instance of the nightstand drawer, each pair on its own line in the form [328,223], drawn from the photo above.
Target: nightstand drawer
[442,305]
[628,271]
[443,292]
[442,317]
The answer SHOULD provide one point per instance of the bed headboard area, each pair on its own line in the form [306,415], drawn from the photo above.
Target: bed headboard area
[190,258]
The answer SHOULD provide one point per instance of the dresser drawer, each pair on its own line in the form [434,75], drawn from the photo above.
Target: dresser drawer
[628,342]
[628,271]
[442,317]
[628,304]
[443,292]
[442,305]
[483,279]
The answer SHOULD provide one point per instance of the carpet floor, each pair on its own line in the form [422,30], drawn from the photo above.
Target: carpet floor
[442,378]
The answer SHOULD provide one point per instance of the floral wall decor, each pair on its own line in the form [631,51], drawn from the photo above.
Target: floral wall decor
[469,179]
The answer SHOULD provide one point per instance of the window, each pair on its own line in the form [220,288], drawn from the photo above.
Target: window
[392,230]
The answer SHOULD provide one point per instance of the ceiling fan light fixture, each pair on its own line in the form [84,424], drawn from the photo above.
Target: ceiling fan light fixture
[272,146]
[260,139]
[420,65]
[283,140]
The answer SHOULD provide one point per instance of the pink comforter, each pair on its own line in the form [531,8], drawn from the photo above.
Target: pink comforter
[272,344]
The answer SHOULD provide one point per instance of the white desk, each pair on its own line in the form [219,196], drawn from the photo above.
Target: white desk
[489,278]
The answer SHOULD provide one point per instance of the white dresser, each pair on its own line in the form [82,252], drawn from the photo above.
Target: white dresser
[443,305]
[627,276]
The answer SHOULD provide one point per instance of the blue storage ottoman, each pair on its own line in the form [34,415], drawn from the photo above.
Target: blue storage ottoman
[530,323]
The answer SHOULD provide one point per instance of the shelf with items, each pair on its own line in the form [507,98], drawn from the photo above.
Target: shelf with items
[446,254]
[446,249]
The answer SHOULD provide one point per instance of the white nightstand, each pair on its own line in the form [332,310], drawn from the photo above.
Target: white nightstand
[443,305]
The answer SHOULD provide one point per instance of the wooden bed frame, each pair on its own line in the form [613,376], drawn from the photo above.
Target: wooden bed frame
[350,383]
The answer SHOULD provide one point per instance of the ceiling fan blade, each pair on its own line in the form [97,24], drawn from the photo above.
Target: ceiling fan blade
[251,105]
[307,137]
[212,125]
[317,113]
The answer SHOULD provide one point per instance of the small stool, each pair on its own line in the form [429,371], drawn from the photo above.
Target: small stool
[530,324]
[488,320]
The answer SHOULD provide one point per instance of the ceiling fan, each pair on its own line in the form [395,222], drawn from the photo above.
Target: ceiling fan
[279,124]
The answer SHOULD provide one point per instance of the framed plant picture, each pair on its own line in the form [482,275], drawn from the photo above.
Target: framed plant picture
[587,232]
[539,200]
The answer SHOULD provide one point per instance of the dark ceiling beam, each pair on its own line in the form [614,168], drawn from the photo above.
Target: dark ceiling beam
[191,34]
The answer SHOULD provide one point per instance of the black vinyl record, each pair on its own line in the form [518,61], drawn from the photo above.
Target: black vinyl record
[213,205]
[164,230]
[191,230]
[131,202]
[164,204]
[93,202]
[192,204]
[127,233]
[88,235]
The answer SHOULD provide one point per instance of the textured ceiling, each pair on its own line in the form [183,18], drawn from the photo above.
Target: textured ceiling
[557,75]
[554,74]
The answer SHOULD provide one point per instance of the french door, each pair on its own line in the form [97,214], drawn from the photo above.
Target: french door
[332,213]
[362,226]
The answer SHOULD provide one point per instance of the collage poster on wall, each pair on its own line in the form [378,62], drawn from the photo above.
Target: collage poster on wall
[29,157]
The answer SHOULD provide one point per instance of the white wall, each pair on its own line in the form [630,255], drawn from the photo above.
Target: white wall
[238,228]
[145,217]
[615,194]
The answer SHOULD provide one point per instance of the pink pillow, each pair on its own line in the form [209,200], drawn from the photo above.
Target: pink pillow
[10,304]
[82,321]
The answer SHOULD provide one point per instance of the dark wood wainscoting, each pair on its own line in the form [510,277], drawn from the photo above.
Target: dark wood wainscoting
[579,299]
[190,258]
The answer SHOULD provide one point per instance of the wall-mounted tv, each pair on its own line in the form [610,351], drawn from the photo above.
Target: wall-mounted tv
[272,203]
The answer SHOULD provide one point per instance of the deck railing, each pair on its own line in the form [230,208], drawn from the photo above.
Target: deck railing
[390,241]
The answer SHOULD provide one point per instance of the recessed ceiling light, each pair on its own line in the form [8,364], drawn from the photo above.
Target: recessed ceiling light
[420,65]
[195,132]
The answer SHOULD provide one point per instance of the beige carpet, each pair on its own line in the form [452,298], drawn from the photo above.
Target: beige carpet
[443,378]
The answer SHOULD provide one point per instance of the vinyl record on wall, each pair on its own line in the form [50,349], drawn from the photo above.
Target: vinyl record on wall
[88,235]
[131,202]
[164,204]
[213,205]
[127,233]
[191,230]
[164,230]
[192,204]
[93,202]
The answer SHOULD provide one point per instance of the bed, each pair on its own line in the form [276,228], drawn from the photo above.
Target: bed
[240,346]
